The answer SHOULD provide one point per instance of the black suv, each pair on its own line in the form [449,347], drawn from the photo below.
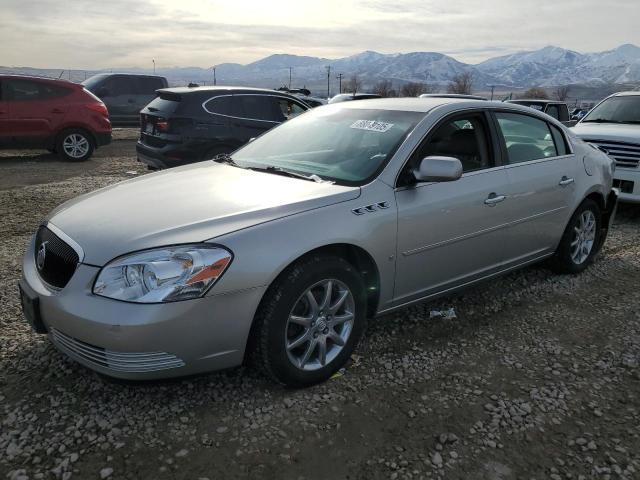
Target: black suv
[184,125]
[124,94]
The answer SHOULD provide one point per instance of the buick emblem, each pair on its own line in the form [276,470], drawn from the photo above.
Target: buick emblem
[42,255]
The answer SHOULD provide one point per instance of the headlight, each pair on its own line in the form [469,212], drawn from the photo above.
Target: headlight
[163,274]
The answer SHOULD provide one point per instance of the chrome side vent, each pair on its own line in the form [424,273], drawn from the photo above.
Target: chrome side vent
[370,208]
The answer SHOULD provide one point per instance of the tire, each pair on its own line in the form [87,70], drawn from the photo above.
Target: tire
[287,298]
[569,258]
[75,145]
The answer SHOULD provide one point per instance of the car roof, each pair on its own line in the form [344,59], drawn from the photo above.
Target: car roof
[632,93]
[110,74]
[36,78]
[534,100]
[452,95]
[225,89]
[410,104]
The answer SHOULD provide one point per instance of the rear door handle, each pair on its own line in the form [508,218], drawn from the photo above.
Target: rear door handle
[494,199]
[564,181]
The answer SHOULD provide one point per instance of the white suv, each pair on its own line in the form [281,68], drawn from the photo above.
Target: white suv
[614,126]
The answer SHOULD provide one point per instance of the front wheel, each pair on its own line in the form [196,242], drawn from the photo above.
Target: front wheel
[75,145]
[580,241]
[310,321]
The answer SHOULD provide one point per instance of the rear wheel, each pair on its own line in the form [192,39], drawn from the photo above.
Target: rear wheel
[580,241]
[310,321]
[75,145]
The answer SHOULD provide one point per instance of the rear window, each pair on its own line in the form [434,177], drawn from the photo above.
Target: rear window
[165,103]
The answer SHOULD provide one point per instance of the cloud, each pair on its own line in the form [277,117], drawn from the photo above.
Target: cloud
[124,33]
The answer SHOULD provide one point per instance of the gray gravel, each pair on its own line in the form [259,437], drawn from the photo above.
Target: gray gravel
[537,377]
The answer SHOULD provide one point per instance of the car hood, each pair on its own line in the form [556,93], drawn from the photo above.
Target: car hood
[187,204]
[616,132]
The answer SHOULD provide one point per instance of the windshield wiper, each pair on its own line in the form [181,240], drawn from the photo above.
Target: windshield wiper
[225,158]
[289,173]
[602,120]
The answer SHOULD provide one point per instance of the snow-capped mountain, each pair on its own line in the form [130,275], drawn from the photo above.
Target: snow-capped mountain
[549,66]
[552,66]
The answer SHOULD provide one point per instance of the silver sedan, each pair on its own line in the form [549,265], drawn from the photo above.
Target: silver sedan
[279,253]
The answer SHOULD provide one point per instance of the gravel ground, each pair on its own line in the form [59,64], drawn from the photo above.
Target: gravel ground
[537,377]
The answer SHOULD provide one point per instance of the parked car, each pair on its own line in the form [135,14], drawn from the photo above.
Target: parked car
[557,110]
[614,126]
[348,97]
[452,95]
[57,115]
[280,252]
[186,125]
[125,94]
[313,102]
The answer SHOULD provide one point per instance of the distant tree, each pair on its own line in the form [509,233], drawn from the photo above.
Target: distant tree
[535,92]
[461,84]
[384,88]
[414,89]
[561,93]
[352,85]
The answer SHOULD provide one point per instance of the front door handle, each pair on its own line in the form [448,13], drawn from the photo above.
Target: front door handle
[494,199]
[564,181]
[57,110]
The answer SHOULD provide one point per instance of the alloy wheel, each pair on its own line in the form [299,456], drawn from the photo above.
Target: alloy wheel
[319,324]
[75,145]
[584,235]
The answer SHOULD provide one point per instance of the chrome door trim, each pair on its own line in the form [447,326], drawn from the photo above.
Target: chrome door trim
[245,95]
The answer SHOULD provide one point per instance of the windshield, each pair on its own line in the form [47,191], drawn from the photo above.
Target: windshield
[616,110]
[344,145]
[91,83]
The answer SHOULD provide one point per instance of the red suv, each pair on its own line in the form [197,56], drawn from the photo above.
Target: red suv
[57,115]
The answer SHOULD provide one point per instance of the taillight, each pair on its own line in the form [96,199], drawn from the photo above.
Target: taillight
[162,125]
[100,108]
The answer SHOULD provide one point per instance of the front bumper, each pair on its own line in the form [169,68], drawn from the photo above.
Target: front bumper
[142,341]
[628,181]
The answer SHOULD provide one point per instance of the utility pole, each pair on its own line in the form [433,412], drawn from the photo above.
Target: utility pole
[339,77]
[154,65]
[492,89]
[290,71]
[328,81]
[214,76]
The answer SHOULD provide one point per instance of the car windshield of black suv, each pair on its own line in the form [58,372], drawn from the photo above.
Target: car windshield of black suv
[616,110]
[344,145]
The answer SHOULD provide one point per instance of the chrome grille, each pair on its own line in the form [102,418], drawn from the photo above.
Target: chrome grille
[116,361]
[58,260]
[626,155]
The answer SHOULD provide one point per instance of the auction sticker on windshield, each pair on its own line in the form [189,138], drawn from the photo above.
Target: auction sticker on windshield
[372,125]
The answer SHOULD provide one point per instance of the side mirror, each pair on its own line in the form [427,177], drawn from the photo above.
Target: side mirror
[438,169]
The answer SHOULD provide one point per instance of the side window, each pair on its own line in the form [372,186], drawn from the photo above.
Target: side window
[289,108]
[120,86]
[53,91]
[527,138]
[559,140]
[22,90]
[221,105]
[552,110]
[147,85]
[256,107]
[463,137]
[564,113]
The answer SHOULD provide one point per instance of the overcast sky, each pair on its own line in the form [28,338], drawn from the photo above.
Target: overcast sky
[92,34]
